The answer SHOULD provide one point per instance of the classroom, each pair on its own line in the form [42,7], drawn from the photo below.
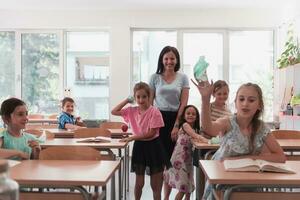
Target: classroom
[97,53]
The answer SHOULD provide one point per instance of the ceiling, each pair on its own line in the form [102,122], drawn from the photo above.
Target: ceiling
[140,4]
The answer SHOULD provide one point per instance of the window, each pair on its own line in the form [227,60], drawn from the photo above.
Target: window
[87,73]
[7,65]
[251,60]
[248,58]
[146,48]
[209,45]
[40,72]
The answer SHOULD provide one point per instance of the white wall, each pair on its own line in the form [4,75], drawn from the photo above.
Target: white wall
[119,24]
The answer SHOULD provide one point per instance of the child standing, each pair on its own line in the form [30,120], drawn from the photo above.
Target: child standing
[148,153]
[218,108]
[244,135]
[66,119]
[16,144]
[180,176]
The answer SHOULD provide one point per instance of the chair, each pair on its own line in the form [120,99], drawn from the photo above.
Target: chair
[94,132]
[53,116]
[41,126]
[70,153]
[38,133]
[35,116]
[286,134]
[112,125]
[91,132]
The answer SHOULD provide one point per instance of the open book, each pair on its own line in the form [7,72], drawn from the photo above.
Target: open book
[96,139]
[248,164]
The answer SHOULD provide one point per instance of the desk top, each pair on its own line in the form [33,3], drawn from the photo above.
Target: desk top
[286,144]
[63,172]
[289,144]
[117,132]
[114,144]
[216,174]
[44,120]
[61,133]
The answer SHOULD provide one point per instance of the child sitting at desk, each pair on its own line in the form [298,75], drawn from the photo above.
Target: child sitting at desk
[66,119]
[244,135]
[15,143]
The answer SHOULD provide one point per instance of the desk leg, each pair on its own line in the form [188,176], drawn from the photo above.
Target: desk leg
[127,171]
[104,192]
[200,177]
[113,188]
[121,175]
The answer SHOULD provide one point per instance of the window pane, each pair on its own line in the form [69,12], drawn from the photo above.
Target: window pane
[40,72]
[147,46]
[251,60]
[7,65]
[209,45]
[87,73]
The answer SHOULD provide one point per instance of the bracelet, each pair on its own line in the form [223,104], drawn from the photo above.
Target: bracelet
[176,126]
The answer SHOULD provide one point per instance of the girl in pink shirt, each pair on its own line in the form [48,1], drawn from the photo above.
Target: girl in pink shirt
[148,153]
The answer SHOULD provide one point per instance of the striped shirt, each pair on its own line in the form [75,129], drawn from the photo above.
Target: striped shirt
[216,113]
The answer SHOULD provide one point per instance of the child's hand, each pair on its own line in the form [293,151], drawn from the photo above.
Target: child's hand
[205,88]
[78,119]
[33,143]
[23,156]
[128,139]
[202,139]
[174,134]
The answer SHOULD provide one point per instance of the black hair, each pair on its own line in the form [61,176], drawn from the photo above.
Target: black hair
[160,65]
[9,105]
[196,125]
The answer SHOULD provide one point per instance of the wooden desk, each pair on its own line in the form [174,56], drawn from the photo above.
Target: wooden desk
[118,133]
[114,144]
[216,174]
[64,174]
[288,145]
[61,133]
[42,121]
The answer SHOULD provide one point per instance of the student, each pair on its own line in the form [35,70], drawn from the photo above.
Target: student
[66,119]
[218,107]
[244,135]
[15,143]
[148,153]
[180,176]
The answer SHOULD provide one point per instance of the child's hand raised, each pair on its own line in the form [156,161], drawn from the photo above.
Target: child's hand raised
[205,88]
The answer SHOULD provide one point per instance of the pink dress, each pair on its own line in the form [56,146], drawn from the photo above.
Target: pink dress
[180,176]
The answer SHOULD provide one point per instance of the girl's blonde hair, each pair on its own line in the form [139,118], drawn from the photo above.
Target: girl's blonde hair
[142,86]
[256,121]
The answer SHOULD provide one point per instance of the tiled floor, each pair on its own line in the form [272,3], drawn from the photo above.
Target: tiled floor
[147,191]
